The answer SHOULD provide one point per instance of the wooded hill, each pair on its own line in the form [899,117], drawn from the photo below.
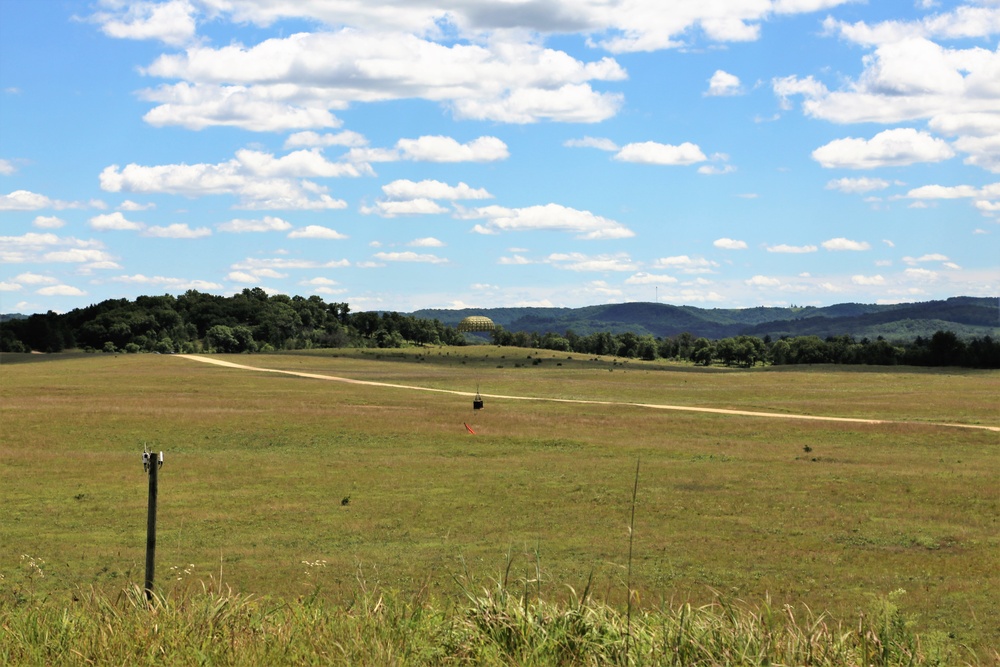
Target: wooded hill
[966,317]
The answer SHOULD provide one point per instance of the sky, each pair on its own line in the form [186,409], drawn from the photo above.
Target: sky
[409,154]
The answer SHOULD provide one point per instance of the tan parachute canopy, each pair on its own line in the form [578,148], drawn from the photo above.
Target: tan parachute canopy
[476,323]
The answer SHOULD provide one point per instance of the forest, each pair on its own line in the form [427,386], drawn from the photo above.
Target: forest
[253,321]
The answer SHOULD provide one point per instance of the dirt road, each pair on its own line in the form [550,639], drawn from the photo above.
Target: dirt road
[654,406]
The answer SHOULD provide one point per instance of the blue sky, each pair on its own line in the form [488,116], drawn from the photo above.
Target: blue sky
[412,154]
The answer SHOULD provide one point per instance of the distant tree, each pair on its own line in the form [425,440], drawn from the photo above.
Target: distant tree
[702,352]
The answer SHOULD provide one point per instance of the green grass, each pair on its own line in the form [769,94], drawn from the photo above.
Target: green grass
[727,508]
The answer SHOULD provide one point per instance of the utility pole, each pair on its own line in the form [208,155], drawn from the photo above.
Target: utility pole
[151,464]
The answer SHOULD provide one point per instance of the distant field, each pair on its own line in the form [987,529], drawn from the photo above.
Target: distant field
[257,465]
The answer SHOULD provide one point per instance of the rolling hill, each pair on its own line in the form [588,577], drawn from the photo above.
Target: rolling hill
[965,316]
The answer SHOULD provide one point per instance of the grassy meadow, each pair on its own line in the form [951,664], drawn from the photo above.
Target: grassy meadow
[825,515]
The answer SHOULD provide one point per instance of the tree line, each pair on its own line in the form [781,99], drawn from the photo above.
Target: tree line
[944,348]
[253,321]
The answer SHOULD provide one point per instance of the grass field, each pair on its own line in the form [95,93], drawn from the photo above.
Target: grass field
[257,464]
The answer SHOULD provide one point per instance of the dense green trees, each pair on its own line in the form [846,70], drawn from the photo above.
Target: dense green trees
[250,321]
[253,321]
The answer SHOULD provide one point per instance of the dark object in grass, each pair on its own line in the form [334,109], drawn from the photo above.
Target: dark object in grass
[345,501]
[807,449]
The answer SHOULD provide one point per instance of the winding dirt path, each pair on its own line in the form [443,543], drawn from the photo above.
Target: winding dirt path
[683,408]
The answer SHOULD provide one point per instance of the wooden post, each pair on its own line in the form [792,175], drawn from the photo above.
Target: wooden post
[154,466]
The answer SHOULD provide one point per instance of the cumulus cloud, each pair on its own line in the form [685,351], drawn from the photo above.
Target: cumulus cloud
[25,200]
[763,281]
[730,244]
[408,256]
[434,148]
[643,278]
[254,264]
[857,185]
[599,143]
[392,208]
[686,264]
[651,152]
[172,22]
[316,232]
[899,147]
[552,217]
[575,261]
[40,248]
[426,242]
[845,244]
[791,249]
[176,284]
[295,82]
[910,76]
[310,139]
[259,180]
[114,221]
[265,224]
[48,222]
[61,290]
[178,230]
[723,83]
[868,280]
[430,189]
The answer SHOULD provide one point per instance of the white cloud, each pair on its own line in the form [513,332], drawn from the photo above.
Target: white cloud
[129,205]
[48,222]
[553,217]
[686,264]
[408,256]
[172,22]
[312,139]
[7,168]
[845,244]
[899,147]
[294,82]
[258,179]
[430,189]
[931,257]
[730,244]
[651,152]
[923,275]
[868,280]
[178,230]
[792,249]
[857,185]
[391,209]
[426,242]
[713,170]
[575,261]
[253,264]
[763,281]
[114,221]
[954,192]
[592,142]
[909,78]
[723,83]
[176,284]
[643,278]
[25,200]
[432,148]
[265,224]
[61,290]
[316,232]
[35,279]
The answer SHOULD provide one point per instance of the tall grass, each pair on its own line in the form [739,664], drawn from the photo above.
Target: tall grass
[501,624]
